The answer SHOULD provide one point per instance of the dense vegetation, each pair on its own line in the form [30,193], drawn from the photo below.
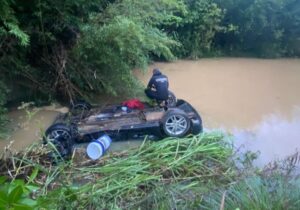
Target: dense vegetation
[73,48]
[198,172]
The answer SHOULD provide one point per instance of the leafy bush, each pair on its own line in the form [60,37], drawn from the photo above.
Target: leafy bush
[64,49]
[264,28]
[10,24]
[121,45]
[120,39]
[16,195]
[198,27]
[78,48]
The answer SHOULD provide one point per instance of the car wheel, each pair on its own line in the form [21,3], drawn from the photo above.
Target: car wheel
[176,123]
[80,108]
[171,101]
[60,136]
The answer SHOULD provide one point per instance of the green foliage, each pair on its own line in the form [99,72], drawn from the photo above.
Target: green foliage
[10,24]
[265,28]
[198,28]
[196,172]
[117,41]
[79,48]
[16,195]
[132,180]
[255,193]
[121,46]
[154,13]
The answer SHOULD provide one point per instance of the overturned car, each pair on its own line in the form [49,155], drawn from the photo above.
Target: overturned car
[86,123]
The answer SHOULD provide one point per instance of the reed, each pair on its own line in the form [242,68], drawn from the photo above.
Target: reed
[196,172]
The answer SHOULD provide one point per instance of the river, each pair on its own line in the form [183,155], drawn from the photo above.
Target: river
[257,100]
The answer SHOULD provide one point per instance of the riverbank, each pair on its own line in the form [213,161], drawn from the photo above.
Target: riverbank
[196,172]
[254,99]
[203,172]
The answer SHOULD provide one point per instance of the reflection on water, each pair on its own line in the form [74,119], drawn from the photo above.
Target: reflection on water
[275,138]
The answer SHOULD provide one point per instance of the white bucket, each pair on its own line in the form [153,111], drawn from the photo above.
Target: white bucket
[106,140]
[97,148]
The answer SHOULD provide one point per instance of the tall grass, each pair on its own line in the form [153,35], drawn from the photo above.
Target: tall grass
[257,193]
[197,172]
[130,179]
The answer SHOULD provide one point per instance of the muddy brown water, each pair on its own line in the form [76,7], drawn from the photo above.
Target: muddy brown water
[257,100]
[233,93]
[27,126]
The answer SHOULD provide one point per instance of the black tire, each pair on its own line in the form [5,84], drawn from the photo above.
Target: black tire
[60,135]
[176,123]
[80,108]
[172,100]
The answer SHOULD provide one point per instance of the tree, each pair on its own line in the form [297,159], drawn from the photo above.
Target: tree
[198,27]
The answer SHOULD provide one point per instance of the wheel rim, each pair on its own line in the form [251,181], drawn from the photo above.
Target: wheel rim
[176,125]
[61,146]
[53,135]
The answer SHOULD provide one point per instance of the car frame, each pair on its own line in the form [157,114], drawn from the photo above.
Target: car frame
[85,123]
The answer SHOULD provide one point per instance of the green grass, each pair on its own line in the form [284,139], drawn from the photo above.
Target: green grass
[197,172]
[257,193]
[131,179]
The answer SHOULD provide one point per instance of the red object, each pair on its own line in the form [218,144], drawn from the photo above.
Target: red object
[134,104]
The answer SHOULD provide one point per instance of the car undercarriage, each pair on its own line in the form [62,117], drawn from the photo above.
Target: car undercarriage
[88,123]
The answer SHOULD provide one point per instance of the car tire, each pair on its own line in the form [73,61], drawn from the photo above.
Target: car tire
[60,135]
[176,123]
[172,100]
[80,108]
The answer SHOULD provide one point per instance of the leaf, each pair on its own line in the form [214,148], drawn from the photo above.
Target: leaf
[3,205]
[17,32]
[15,194]
[28,202]
[21,207]
[31,188]
[3,200]
[33,174]
[18,182]
[3,195]
[2,179]
[4,191]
